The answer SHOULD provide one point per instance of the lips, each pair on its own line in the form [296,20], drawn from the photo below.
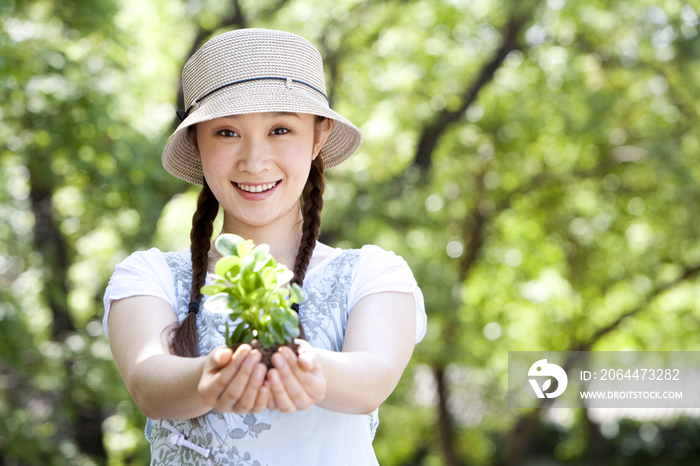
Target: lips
[256,188]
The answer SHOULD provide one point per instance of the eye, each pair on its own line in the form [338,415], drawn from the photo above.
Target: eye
[280,131]
[227,133]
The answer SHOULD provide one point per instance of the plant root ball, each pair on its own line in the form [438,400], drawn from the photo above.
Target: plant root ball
[268,352]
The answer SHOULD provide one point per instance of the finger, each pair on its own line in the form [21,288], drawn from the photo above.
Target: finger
[306,362]
[306,355]
[238,382]
[230,366]
[295,361]
[218,358]
[271,401]
[215,378]
[288,372]
[280,397]
[247,402]
[263,398]
[303,366]
[312,380]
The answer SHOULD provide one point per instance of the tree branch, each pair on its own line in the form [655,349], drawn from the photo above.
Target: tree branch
[332,61]
[476,238]
[431,133]
[235,20]
[689,272]
[271,10]
[517,449]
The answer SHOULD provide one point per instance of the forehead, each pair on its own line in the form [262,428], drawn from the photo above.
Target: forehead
[266,115]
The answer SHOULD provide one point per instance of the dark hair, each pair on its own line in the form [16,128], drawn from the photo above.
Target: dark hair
[185,341]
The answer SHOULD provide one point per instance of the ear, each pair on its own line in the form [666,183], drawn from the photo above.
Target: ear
[322,136]
[192,139]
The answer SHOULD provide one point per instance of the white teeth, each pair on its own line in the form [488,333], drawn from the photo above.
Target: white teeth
[256,189]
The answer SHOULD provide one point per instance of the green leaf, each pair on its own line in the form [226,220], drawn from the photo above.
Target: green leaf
[292,329]
[237,310]
[262,253]
[244,248]
[266,340]
[277,331]
[228,266]
[257,293]
[297,295]
[269,278]
[227,244]
[238,333]
[220,303]
[211,290]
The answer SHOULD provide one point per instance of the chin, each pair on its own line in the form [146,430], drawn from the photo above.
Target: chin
[257,221]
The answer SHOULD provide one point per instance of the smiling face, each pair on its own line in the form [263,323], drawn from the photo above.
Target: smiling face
[257,165]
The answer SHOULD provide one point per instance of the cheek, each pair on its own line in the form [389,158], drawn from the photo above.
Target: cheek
[296,155]
[214,160]
[212,164]
[296,168]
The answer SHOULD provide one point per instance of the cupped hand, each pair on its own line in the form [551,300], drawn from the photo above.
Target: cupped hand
[234,381]
[296,382]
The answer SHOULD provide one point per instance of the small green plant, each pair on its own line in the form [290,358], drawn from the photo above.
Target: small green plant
[248,285]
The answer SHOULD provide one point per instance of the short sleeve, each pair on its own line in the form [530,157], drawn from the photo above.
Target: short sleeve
[144,273]
[379,271]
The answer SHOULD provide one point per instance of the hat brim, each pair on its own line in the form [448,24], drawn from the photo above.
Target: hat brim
[179,159]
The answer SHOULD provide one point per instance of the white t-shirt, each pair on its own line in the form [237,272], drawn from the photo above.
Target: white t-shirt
[315,437]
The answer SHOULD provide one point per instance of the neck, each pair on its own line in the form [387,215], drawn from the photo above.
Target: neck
[283,236]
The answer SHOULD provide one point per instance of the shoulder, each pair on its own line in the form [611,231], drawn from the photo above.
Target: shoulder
[372,251]
[143,273]
[141,260]
[322,253]
[151,259]
[150,266]
[146,256]
[379,271]
[373,259]
[367,265]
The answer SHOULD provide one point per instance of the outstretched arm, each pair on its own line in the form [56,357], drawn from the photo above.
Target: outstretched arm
[379,341]
[165,386]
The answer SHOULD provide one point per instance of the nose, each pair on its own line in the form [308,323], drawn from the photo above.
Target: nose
[254,156]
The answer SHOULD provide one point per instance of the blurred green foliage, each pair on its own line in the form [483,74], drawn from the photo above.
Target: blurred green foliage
[556,208]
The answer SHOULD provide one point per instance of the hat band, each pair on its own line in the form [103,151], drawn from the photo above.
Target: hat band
[182,115]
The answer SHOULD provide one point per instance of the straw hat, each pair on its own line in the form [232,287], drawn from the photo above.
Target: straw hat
[252,71]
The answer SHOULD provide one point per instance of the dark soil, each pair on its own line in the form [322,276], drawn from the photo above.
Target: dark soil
[267,353]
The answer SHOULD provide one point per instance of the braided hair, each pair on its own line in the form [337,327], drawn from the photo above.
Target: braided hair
[185,340]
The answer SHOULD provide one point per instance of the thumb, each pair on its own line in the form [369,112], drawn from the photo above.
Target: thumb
[307,355]
[307,361]
[219,357]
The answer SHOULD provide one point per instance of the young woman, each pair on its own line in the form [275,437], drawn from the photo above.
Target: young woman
[257,135]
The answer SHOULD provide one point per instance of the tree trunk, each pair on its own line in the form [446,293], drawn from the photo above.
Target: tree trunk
[49,242]
[445,424]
